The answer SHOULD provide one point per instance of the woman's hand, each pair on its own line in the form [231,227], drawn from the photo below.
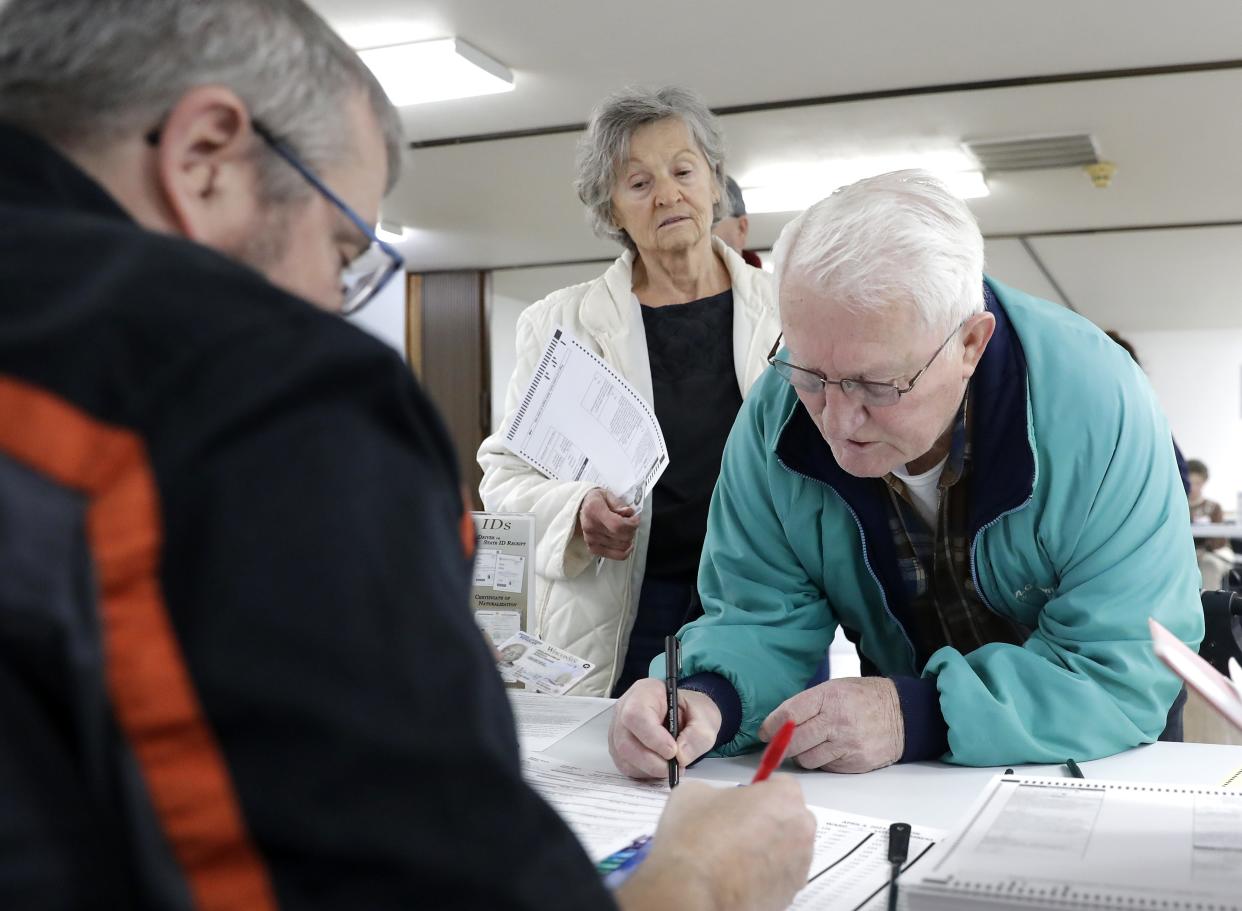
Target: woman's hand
[607,525]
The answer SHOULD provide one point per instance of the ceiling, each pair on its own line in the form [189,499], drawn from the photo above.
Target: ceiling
[1156,250]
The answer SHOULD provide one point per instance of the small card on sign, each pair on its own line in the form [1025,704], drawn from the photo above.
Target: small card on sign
[539,665]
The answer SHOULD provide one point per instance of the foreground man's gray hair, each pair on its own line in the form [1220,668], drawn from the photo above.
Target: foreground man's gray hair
[82,73]
[899,239]
[606,144]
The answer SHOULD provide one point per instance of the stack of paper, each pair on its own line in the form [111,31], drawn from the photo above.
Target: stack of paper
[607,811]
[1076,843]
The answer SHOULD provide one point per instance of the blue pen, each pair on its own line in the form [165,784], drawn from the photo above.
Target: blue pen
[618,866]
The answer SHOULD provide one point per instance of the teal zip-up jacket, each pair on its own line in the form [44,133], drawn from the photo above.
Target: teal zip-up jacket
[1079,532]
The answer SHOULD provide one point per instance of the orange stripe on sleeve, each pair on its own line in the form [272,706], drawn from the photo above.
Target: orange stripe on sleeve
[466,526]
[149,685]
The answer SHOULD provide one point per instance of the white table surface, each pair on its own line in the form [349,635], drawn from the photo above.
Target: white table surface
[926,793]
[1220,530]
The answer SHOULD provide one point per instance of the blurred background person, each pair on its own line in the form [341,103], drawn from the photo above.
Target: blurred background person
[1215,557]
[734,228]
[688,324]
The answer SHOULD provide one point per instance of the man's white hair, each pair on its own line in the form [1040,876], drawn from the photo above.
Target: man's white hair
[896,240]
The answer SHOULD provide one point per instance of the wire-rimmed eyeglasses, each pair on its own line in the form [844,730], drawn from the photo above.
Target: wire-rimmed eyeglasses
[864,392]
[366,274]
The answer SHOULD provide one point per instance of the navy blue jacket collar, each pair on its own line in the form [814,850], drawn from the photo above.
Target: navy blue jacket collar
[1002,469]
[34,173]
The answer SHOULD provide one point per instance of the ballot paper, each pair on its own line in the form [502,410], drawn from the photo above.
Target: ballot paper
[543,720]
[1090,844]
[540,666]
[607,811]
[580,421]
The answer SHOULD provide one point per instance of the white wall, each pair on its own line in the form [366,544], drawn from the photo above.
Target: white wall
[1197,375]
[384,317]
[513,290]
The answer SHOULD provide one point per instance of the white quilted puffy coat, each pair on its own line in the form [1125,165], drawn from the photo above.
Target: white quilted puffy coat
[588,614]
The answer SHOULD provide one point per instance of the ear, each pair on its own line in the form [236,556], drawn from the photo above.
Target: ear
[205,166]
[975,337]
[743,231]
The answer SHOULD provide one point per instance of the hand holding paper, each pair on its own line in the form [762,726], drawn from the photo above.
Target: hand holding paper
[608,524]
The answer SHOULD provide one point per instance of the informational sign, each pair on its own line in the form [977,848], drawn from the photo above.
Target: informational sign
[504,573]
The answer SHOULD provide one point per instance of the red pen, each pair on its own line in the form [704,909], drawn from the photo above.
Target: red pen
[775,752]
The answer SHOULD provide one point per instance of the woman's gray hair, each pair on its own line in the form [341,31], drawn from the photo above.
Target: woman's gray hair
[82,73]
[606,145]
[899,239]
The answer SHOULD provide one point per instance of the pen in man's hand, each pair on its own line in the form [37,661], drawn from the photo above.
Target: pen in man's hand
[898,850]
[775,752]
[672,669]
[1073,769]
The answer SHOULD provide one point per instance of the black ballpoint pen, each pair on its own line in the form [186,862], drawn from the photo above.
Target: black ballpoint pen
[898,850]
[1073,769]
[672,669]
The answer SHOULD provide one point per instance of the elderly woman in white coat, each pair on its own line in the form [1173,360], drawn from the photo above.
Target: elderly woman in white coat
[688,324]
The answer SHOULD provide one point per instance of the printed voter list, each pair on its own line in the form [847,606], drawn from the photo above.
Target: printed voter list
[580,421]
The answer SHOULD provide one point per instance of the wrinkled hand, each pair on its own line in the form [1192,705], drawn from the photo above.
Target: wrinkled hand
[727,849]
[849,725]
[641,745]
[608,526]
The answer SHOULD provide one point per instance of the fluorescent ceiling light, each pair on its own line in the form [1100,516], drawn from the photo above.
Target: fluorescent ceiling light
[436,71]
[390,232]
[792,188]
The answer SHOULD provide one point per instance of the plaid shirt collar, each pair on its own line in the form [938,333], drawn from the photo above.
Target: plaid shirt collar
[957,463]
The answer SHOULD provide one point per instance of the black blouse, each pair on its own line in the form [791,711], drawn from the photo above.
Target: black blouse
[690,347]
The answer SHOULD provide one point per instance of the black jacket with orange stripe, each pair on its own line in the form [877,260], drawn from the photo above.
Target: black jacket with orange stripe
[237,669]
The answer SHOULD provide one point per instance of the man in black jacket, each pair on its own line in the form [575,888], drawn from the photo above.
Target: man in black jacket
[236,665]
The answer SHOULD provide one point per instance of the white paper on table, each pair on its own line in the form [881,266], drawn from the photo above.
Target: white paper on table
[1091,843]
[1217,689]
[510,572]
[543,720]
[607,811]
[580,421]
[485,566]
[850,869]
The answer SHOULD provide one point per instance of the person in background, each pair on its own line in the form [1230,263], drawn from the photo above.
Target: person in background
[976,484]
[237,664]
[734,228]
[1182,469]
[687,323]
[1212,564]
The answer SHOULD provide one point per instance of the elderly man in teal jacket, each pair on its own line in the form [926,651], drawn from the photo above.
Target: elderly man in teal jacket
[977,485]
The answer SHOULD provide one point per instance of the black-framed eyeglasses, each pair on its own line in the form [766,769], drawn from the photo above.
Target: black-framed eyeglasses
[366,274]
[864,392]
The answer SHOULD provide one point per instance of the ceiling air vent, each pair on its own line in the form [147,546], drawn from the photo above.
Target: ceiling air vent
[1069,151]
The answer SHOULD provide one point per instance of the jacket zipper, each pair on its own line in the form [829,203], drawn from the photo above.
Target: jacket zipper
[974,549]
[866,561]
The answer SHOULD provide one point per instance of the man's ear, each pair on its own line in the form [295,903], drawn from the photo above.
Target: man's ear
[205,166]
[975,337]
